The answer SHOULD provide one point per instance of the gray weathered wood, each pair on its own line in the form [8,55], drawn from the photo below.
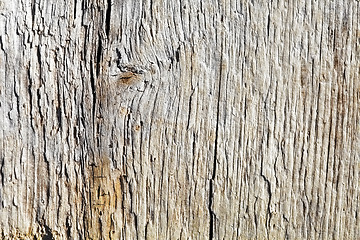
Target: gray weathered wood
[156,119]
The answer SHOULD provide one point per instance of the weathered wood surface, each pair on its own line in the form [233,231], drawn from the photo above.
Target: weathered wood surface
[155,119]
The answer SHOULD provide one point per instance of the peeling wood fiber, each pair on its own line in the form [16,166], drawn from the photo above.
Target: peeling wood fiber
[159,119]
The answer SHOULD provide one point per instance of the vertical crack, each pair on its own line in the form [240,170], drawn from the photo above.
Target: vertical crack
[30,99]
[93,88]
[211,188]
[2,163]
[68,227]
[107,18]
[58,107]
[74,12]
[268,25]
[98,56]
[33,12]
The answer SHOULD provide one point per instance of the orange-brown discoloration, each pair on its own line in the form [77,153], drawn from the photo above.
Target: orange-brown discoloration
[128,78]
[124,111]
[106,196]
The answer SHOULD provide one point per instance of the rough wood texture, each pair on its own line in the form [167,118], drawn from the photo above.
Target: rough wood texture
[189,119]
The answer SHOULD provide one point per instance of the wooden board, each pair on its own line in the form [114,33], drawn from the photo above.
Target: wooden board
[157,119]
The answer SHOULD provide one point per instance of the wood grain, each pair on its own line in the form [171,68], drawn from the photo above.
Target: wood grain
[155,119]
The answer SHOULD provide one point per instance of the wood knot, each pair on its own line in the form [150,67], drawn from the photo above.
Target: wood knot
[128,78]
